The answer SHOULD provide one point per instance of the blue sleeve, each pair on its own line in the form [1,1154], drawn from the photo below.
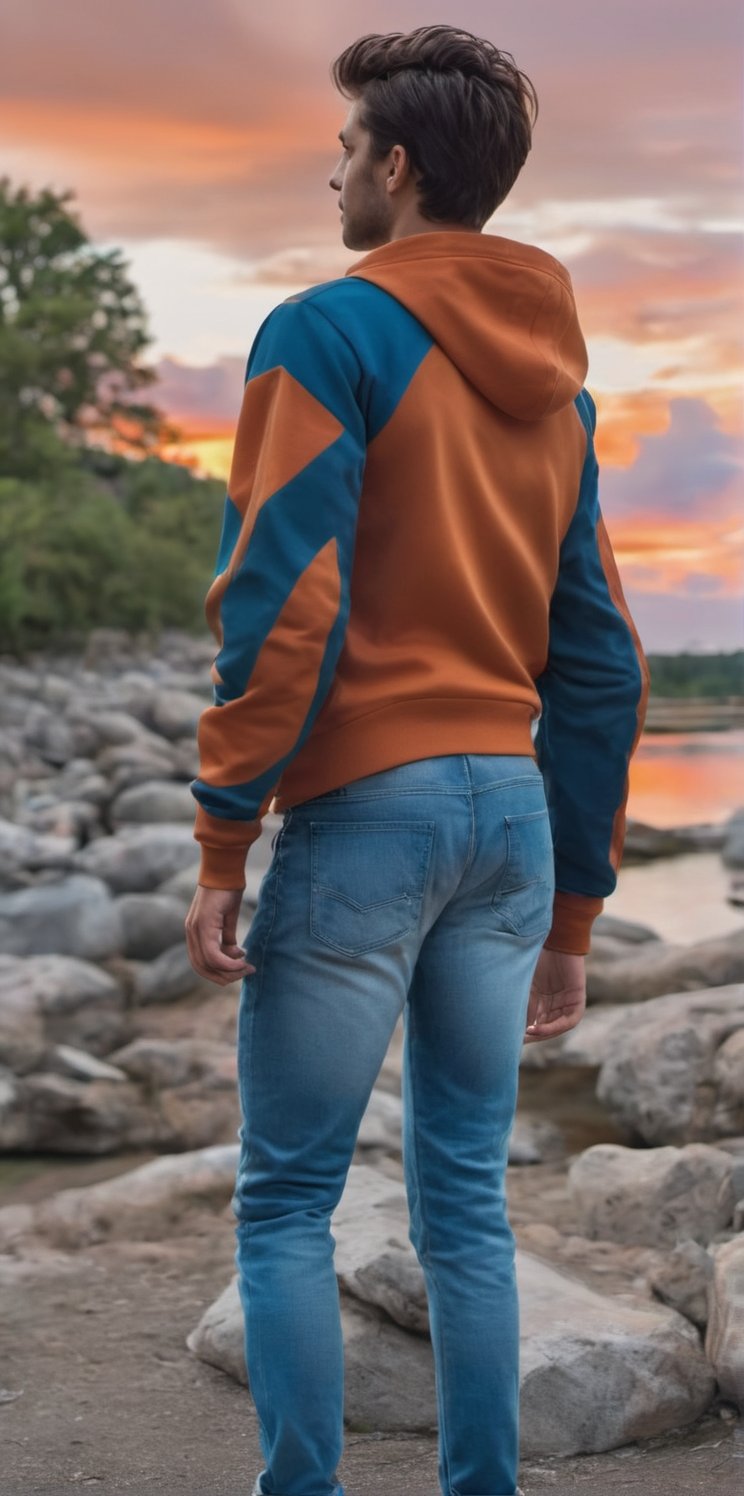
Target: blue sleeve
[594,692]
[279,603]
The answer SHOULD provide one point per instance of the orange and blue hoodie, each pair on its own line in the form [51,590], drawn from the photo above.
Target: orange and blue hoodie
[413,558]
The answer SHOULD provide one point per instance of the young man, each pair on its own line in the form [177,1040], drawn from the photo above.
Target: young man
[428,665]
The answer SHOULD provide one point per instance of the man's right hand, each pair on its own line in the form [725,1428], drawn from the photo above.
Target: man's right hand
[557,996]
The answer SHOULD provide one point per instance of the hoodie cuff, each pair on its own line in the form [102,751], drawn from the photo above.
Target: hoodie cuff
[573,917]
[224,847]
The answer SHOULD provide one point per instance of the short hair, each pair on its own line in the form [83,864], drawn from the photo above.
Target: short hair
[461,108]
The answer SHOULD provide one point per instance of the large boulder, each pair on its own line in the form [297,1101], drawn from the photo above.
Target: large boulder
[47,1000]
[654,969]
[595,1372]
[662,1079]
[139,858]
[154,801]
[74,916]
[143,1204]
[151,923]
[656,1197]
[724,1341]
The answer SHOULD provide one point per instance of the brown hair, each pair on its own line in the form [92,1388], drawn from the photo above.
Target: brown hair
[461,108]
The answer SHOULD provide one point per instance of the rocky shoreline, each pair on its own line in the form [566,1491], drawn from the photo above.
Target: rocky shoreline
[630,1246]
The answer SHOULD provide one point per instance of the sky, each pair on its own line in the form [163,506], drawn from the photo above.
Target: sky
[199,140]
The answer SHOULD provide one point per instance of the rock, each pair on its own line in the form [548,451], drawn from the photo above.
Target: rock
[63,1059]
[659,1080]
[732,852]
[74,916]
[585,1046]
[136,763]
[176,1062]
[643,842]
[144,1204]
[654,1196]
[374,1259]
[599,1372]
[23,847]
[724,1342]
[728,1076]
[57,999]
[166,979]
[175,714]
[138,858]
[626,930]
[49,734]
[683,1280]
[154,801]
[659,968]
[380,1129]
[151,923]
[534,1140]
[595,1372]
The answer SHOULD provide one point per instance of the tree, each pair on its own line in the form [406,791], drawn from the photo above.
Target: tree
[72,329]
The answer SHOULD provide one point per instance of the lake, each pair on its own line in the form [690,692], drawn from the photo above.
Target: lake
[679,779]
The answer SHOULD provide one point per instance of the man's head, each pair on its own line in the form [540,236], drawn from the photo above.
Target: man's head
[439,128]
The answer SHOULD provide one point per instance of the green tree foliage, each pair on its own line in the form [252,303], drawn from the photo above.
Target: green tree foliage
[72,329]
[133,549]
[89,537]
[686,675]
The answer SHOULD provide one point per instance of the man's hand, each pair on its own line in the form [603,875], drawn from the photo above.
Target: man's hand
[557,996]
[211,935]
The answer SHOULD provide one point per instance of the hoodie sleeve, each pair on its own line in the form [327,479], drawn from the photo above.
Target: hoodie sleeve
[594,693]
[279,602]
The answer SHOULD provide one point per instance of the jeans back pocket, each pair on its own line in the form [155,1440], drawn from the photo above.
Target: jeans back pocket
[523,902]
[368,881]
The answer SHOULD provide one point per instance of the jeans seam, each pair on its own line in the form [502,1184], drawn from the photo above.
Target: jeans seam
[426,1244]
[415,789]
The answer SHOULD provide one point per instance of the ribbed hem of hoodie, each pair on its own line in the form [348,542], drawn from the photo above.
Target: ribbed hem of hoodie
[573,917]
[399,734]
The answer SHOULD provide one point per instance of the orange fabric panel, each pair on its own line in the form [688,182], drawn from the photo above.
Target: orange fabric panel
[281,428]
[477,501]
[238,740]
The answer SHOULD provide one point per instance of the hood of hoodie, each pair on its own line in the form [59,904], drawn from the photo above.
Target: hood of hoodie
[502,311]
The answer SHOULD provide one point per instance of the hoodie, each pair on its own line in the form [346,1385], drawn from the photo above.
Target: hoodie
[413,558]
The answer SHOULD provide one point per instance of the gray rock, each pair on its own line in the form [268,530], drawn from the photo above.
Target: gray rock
[136,763]
[682,1279]
[374,1259]
[587,1045]
[176,1062]
[596,1372]
[151,923]
[63,1059]
[653,1196]
[659,1079]
[626,930]
[534,1140]
[58,1000]
[728,1076]
[154,801]
[659,968]
[724,1341]
[75,916]
[175,714]
[166,979]
[143,1204]
[643,842]
[733,844]
[139,858]
[23,847]
[599,1372]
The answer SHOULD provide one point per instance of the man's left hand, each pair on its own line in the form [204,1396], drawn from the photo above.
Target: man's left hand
[211,935]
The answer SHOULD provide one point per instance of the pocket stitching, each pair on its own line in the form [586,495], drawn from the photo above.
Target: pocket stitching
[317,828]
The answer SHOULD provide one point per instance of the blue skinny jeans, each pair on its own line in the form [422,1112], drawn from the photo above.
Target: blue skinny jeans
[425,890]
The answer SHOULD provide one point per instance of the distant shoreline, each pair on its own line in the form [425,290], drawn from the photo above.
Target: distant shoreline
[694,713]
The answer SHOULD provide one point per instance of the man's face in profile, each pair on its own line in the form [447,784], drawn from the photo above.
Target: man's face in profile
[366,208]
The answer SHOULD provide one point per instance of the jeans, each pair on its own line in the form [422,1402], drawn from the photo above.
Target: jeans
[425,890]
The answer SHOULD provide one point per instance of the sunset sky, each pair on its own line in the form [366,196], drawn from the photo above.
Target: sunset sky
[199,138]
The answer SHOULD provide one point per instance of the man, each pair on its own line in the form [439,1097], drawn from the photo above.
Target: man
[428,665]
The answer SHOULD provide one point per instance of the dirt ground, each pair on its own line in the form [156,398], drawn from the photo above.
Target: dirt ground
[99,1391]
